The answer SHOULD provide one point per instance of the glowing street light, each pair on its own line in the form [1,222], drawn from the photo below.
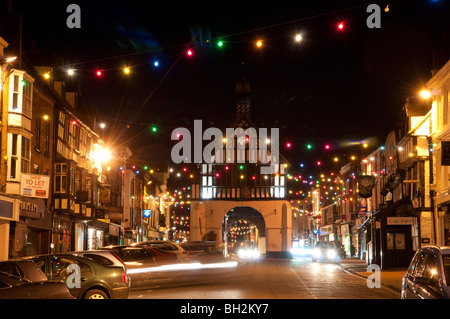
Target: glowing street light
[425,94]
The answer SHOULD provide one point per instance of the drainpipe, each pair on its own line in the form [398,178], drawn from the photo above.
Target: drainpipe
[432,191]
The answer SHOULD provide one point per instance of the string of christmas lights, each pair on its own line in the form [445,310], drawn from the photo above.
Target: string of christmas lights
[188,49]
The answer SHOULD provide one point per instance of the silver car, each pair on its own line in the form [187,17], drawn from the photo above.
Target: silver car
[428,275]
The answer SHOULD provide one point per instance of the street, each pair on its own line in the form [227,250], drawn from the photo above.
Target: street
[269,279]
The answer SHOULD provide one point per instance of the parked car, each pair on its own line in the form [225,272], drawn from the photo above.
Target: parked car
[325,251]
[104,257]
[428,275]
[24,269]
[158,256]
[97,281]
[132,256]
[165,246]
[14,287]
[203,248]
[143,264]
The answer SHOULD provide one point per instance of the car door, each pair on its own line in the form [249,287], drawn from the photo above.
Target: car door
[62,268]
[416,268]
[430,289]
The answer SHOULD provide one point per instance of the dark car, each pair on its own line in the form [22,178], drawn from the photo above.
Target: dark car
[133,256]
[165,246]
[143,264]
[428,275]
[95,280]
[14,287]
[203,248]
[23,269]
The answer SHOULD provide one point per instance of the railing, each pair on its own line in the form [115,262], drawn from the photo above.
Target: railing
[242,192]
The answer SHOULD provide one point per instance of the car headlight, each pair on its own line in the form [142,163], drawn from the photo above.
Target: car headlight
[249,253]
[331,253]
[317,252]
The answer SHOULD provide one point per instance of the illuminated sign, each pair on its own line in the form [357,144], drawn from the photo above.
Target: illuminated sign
[147,213]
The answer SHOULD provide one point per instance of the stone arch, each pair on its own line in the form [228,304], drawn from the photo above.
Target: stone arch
[207,219]
[254,218]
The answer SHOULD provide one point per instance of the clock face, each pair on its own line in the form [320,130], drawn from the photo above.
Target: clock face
[366,182]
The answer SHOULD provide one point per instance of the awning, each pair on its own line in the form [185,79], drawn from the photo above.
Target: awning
[402,207]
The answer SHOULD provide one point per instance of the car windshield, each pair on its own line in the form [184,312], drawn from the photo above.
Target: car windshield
[446,263]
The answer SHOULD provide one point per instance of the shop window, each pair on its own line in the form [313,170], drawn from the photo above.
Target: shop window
[395,241]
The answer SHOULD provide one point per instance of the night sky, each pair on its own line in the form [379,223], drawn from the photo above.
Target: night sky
[335,87]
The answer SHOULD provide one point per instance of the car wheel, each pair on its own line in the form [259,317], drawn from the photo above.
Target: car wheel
[96,294]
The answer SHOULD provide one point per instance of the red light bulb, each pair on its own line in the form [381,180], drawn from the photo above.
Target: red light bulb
[341,26]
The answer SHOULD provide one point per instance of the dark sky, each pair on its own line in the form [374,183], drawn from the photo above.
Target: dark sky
[334,87]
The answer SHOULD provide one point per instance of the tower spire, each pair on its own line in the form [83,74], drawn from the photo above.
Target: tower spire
[242,93]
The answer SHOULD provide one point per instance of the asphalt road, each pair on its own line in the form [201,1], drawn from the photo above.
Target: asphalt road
[263,279]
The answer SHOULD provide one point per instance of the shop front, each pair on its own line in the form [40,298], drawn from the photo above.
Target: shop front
[62,233]
[32,233]
[346,238]
[9,212]
[395,234]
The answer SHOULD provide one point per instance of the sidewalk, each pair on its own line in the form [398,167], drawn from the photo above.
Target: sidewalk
[391,278]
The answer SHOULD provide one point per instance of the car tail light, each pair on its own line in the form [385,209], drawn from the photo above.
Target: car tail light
[124,276]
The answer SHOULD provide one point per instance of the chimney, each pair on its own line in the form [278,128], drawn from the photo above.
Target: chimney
[71,98]
[440,57]
[58,86]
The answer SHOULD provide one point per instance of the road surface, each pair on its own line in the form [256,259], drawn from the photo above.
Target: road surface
[266,279]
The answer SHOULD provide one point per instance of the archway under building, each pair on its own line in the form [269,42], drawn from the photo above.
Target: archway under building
[244,228]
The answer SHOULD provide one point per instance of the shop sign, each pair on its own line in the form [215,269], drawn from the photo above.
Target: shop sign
[32,185]
[400,220]
[104,195]
[325,230]
[147,213]
[362,210]
[33,208]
